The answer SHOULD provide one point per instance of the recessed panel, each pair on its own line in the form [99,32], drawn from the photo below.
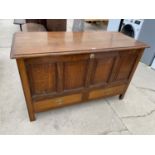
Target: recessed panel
[42,78]
[102,70]
[75,74]
[126,65]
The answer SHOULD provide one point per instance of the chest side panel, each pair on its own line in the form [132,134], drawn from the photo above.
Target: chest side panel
[125,66]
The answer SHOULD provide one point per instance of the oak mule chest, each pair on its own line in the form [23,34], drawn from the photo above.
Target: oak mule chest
[63,68]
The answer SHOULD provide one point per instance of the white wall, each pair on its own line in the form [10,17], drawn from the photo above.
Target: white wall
[113,24]
[147,35]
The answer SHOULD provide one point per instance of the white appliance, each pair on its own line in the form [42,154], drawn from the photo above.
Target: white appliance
[132,27]
[140,29]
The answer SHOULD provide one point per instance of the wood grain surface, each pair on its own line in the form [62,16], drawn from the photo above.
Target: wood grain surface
[34,44]
[61,68]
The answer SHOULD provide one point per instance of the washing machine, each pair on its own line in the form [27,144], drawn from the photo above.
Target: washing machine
[131,27]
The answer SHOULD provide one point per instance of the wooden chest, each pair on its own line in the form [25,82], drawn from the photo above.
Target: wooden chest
[63,68]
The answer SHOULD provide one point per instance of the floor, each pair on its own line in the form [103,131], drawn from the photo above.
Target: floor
[135,114]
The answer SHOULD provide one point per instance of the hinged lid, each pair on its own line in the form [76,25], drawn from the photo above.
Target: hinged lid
[35,44]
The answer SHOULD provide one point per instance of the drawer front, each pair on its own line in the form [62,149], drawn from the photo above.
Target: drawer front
[106,92]
[57,102]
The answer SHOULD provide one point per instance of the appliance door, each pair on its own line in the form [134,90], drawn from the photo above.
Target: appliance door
[128,30]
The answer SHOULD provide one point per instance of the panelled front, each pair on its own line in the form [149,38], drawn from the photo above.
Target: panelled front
[50,76]
[46,75]
[112,67]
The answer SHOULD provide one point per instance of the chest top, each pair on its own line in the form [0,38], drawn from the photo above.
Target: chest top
[35,44]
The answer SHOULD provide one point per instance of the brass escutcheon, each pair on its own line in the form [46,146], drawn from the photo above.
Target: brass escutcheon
[92,56]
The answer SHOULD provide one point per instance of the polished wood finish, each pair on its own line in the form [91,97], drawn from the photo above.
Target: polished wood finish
[26,88]
[104,92]
[57,102]
[59,69]
[34,44]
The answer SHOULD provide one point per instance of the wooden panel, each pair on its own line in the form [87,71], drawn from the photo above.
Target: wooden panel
[34,44]
[26,88]
[126,64]
[102,70]
[60,77]
[56,102]
[139,55]
[106,92]
[75,74]
[56,59]
[42,78]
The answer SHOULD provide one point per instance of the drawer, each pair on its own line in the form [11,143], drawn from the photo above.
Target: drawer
[106,92]
[56,102]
